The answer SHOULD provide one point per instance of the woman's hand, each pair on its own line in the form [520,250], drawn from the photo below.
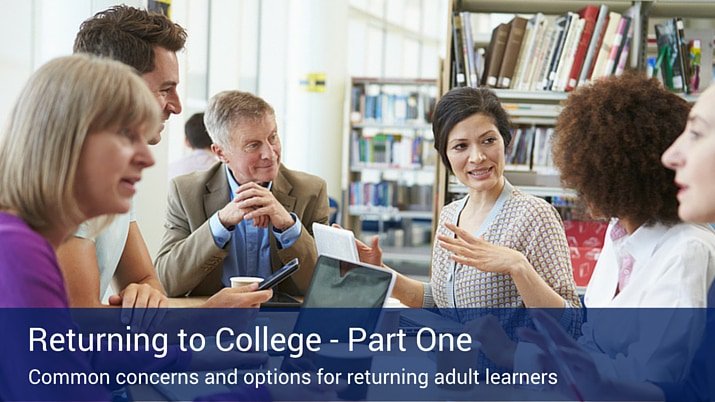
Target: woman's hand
[368,254]
[480,254]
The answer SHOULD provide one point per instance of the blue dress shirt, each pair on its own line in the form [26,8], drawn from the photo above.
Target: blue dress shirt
[249,253]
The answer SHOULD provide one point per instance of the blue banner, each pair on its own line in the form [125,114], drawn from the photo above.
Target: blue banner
[348,354]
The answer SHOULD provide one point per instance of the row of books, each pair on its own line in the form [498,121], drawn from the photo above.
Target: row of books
[530,148]
[542,53]
[391,149]
[391,104]
[677,60]
[391,194]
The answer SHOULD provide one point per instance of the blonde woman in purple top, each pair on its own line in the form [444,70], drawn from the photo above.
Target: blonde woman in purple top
[74,150]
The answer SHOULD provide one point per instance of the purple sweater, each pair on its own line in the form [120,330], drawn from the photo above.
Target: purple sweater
[29,273]
[30,277]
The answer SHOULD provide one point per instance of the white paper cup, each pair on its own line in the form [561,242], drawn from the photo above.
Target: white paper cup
[238,281]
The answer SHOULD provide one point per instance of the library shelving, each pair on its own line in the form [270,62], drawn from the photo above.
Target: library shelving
[539,63]
[389,165]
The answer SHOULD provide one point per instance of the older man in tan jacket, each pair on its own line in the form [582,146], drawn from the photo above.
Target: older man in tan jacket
[246,216]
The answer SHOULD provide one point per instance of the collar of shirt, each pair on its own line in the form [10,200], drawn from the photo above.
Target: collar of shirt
[233,184]
[642,243]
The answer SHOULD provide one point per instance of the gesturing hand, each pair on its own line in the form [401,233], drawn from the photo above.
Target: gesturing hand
[480,254]
[259,202]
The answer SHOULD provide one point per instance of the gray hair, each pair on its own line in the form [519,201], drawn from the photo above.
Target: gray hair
[230,108]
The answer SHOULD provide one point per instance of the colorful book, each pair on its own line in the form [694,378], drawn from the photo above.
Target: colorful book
[568,54]
[588,14]
[609,35]
[594,45]
[617,46]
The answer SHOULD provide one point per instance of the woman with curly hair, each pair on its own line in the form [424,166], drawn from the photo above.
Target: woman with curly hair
[692,157]
[608,142]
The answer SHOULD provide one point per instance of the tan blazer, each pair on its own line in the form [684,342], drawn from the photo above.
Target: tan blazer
[189,262]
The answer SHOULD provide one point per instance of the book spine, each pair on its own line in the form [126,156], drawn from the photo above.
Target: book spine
[511,52]
[459,77]
[594,45]
[616,47]
[682,53]
[589,15]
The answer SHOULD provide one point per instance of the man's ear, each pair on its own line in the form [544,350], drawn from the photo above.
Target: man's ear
[219,152]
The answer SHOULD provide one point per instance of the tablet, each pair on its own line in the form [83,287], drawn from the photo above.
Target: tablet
[334,242]
[340,283]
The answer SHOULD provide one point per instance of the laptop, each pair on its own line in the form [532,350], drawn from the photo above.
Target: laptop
[337,286]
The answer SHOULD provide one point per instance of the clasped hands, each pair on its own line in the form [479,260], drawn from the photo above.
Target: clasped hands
[253,201]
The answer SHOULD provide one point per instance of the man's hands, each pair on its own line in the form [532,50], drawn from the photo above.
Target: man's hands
[261,202]
[253,201]
[242,297]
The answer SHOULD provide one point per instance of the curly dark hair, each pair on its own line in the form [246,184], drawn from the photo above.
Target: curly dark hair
[129,35]
[458,105]
[608,142]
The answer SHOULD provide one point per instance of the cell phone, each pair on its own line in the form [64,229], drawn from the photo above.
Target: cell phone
[280,275]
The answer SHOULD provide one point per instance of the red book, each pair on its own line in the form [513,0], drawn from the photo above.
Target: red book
[590,14]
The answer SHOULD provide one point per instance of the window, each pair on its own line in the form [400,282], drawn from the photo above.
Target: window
[396,38]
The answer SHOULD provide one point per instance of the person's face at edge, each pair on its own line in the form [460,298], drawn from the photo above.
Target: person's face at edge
[110,164]
[475,149]
[254,154]
[162,82]
[692,157]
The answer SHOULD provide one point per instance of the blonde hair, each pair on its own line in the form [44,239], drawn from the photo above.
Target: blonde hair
[229,108]
[64,101]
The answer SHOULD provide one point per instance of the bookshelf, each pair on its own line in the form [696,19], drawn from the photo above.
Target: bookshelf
[534,104]
[389,166]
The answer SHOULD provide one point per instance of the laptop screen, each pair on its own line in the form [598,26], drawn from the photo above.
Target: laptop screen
[338,283]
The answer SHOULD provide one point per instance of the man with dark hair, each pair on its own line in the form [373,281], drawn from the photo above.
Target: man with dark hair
[148,42]
[144,40]
[196,138]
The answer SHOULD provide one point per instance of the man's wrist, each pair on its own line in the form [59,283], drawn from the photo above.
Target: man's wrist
[285,223]
[223,222]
